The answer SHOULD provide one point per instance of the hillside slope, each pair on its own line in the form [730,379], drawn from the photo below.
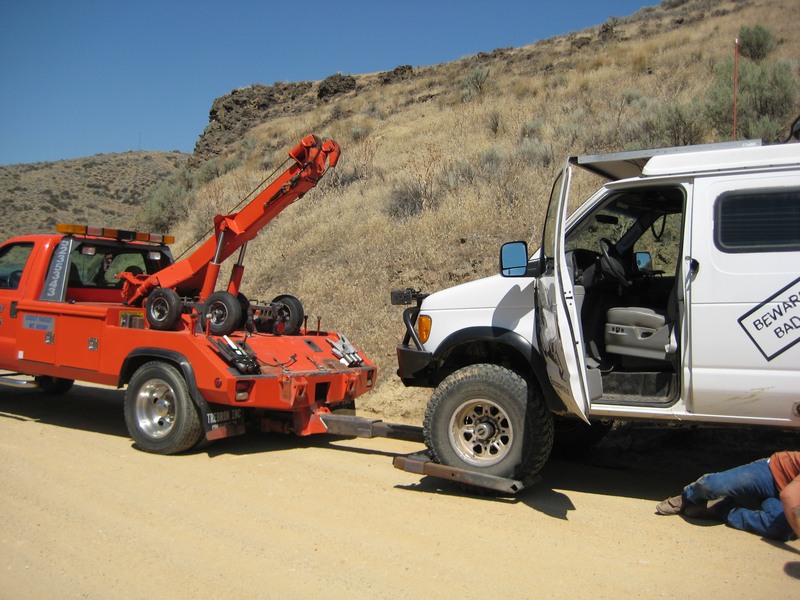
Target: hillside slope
[102,189]
[442,164]
[441,167]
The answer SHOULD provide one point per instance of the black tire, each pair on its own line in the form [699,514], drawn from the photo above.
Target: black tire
[225,311]
[245,304]
[159,412]
[163,309]
[291,313]
[53,385]
[486,418]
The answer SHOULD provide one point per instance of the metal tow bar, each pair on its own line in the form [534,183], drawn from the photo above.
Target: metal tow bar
[422,464]
[419,462]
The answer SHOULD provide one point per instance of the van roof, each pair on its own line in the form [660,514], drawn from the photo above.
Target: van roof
[778,155]
[688,159]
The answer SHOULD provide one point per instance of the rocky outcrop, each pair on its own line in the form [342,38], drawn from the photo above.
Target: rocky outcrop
[232,115]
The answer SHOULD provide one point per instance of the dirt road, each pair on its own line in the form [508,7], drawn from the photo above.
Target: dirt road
[85,515]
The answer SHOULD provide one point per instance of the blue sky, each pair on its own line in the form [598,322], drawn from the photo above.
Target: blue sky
[83,77]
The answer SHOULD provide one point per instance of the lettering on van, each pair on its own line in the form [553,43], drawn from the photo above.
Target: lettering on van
[774,325]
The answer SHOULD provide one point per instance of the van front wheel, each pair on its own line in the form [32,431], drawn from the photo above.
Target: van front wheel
[487,418]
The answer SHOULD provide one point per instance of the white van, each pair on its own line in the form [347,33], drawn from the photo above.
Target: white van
[672,294]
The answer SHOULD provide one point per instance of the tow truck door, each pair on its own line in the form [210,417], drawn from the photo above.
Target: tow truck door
[557,321]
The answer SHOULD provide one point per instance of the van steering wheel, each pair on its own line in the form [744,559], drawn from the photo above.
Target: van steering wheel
[611,263]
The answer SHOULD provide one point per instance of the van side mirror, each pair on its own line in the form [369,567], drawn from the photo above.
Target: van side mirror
[514,259]
[644,261]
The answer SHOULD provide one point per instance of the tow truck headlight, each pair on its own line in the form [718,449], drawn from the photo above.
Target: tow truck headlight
[423,328]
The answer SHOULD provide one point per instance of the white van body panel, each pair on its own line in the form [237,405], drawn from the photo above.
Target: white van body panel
[745,314]
[489,302]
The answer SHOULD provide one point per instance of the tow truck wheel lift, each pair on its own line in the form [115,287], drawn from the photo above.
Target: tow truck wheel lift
[420,462]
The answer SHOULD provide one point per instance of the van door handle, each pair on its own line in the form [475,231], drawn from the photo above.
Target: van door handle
[694,266]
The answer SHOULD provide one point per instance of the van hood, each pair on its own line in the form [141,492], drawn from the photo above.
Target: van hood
[489,292]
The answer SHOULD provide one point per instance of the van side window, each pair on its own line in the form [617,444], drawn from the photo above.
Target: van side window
[12,262]
[758,221]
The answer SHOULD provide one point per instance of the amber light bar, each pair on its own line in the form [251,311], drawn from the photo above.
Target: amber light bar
[115,234]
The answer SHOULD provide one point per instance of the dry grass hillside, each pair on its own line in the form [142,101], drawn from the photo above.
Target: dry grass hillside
[442,164]
[106,188]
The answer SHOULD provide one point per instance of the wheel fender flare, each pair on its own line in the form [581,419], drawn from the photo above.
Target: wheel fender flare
[143,355]
[513,340]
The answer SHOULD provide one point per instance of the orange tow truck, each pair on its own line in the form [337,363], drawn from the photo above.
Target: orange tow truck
[113,307]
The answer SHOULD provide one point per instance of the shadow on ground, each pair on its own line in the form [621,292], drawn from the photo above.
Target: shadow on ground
[633,460]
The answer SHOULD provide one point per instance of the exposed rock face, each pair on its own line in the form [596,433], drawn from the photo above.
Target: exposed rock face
[397,74]
[232,115]
[336,84]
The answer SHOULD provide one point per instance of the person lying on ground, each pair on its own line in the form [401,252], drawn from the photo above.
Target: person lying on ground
[773,483]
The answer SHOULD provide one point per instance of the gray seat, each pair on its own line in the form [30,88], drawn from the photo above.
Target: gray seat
[643,332]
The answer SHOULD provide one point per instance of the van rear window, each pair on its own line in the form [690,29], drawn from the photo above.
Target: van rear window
[758,221]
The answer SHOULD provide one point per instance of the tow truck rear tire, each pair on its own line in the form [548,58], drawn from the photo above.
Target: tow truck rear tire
[226,313]
[292,312]
[486,418]
[159,412]
[163,309]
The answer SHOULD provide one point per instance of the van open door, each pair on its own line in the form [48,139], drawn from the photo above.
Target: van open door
[557,319]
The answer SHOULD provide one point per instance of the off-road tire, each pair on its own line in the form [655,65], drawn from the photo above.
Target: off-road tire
[159,412]
[488,419]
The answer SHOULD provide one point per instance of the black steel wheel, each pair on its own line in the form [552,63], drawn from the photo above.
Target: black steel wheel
[290,312]
[485,418]
[159,411]
[222,313]
[163,309]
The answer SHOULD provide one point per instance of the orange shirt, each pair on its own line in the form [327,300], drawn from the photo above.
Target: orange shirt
[785,467]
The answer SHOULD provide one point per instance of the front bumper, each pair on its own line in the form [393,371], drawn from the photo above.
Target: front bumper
[412,360]
[412,364]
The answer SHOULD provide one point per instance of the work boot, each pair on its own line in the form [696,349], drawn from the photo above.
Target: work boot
[671,506]
[716,510]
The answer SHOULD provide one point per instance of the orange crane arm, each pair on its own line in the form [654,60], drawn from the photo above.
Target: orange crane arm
[196,274]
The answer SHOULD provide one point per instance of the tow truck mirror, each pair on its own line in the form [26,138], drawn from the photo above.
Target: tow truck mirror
[514,259]
[153,255]
[88,250]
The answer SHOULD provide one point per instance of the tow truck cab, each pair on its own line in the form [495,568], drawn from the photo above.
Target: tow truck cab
[38,273]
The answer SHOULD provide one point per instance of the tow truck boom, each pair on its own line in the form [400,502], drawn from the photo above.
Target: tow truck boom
[196,275]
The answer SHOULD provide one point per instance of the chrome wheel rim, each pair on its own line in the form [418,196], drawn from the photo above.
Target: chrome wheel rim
[481,433]
[155,408]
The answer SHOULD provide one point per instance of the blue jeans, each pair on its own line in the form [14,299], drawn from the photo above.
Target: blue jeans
[754,481]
